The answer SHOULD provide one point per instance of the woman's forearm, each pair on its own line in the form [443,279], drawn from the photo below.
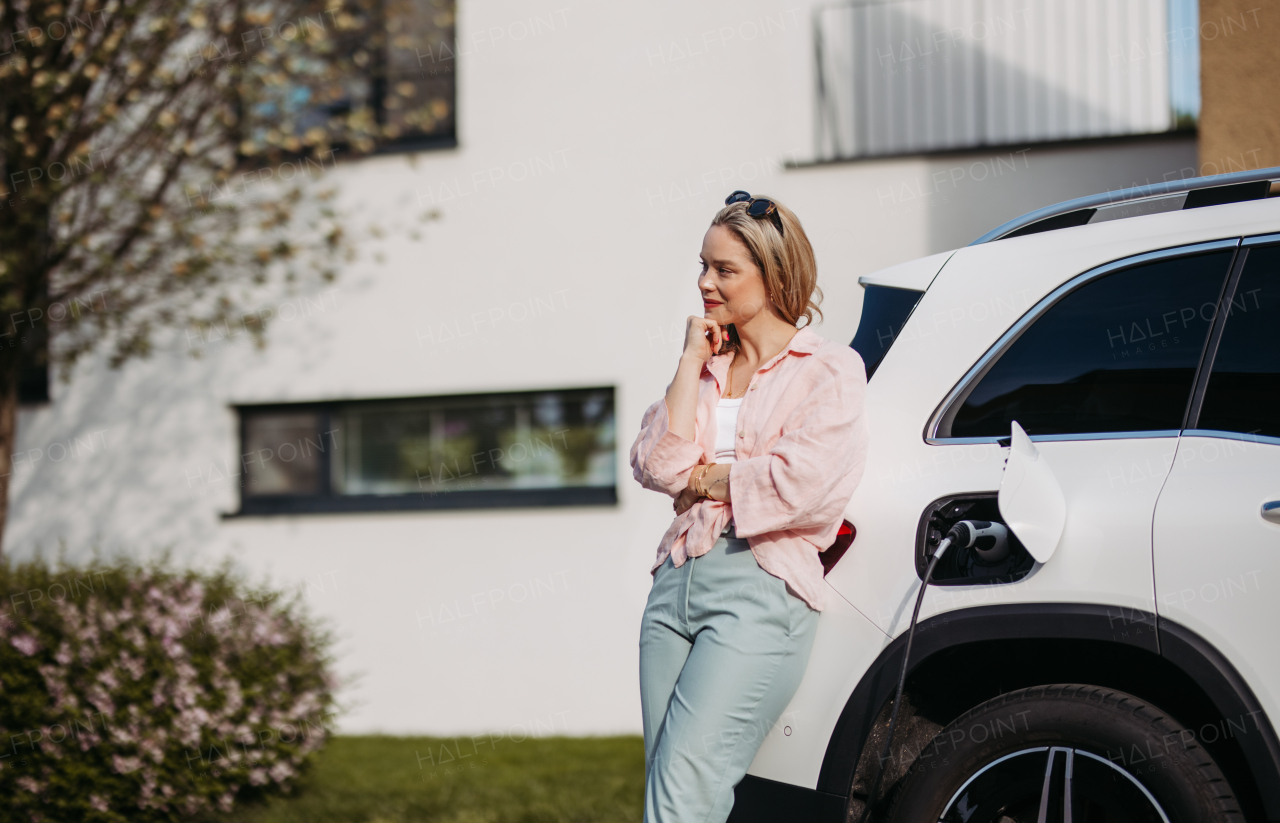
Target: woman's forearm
[682,399]
[716,481]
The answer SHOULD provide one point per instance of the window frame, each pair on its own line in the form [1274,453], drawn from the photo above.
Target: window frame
[1211,348]
[950,405]
[325,501]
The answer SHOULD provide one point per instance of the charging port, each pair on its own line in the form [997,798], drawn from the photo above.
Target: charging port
[967,566]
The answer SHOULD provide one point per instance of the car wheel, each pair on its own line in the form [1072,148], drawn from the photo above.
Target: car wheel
[1065,754]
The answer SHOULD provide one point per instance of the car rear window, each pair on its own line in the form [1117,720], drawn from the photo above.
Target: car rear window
[884,313]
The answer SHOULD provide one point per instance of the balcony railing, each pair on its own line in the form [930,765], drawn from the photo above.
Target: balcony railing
[935,75]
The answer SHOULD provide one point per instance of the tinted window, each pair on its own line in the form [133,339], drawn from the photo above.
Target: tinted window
[884,312]
[1244,388]
[1117,354]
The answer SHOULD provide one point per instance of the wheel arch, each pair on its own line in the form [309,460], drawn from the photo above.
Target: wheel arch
[964,657]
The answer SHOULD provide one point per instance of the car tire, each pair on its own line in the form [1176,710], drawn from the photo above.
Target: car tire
[1084,752]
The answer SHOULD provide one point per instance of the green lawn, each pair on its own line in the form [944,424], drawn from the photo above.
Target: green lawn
[418,779]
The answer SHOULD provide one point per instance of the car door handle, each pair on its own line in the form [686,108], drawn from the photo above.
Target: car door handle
[1271,511]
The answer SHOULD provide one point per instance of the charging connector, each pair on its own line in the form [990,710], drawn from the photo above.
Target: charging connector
[988,540]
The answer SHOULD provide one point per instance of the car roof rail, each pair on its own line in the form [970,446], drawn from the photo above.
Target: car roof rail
[1195,192]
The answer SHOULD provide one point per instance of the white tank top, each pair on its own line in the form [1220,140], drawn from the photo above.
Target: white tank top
[727,429]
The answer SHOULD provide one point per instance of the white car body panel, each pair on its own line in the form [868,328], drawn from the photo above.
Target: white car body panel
[1111,485]
[1217,560]
[1104,556]
[845,645]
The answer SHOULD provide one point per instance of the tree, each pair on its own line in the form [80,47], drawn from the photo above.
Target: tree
[143,167]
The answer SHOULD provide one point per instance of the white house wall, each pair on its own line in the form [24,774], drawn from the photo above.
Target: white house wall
[640,119]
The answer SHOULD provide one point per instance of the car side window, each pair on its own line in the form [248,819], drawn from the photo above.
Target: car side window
[1243,394]
[1117,354]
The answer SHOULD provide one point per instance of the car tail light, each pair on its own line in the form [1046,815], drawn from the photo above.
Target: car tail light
[844,538]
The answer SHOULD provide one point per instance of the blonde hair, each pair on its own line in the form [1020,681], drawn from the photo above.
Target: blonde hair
[785,260]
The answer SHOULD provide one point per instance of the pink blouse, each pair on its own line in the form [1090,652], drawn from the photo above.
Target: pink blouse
[801,449]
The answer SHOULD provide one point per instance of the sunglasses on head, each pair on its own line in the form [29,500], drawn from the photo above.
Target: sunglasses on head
[757,207]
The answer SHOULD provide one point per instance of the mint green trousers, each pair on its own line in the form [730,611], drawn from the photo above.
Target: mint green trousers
[723,646]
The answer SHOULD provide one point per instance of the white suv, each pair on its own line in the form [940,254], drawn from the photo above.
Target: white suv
[1131,676]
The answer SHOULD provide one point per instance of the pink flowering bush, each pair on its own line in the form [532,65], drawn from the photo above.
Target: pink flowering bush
[132,693]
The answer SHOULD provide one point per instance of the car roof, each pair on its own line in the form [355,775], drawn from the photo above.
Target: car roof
[914,274]
[1174,195]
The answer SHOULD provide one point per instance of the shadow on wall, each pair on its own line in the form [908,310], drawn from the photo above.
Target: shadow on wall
[142,458]
[83,470]
[980,191]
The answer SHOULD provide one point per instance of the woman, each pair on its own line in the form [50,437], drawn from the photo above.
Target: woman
[761,440]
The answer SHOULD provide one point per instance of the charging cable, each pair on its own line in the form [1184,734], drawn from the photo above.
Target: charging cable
[965,533]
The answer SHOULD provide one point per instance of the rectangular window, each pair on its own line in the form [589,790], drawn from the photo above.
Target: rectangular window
[388,70]
[541,448]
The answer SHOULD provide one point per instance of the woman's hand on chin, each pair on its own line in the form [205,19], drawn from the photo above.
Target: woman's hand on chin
[702,338]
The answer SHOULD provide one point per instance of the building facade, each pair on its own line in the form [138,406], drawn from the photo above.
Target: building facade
[433,450]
